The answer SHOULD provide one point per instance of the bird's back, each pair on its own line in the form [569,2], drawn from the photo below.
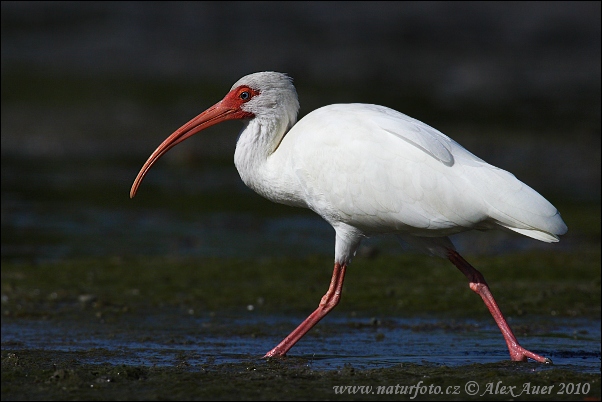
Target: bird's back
[379,170]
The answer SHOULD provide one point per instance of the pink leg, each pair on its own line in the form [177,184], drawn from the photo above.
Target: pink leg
[328,302]
[479,286]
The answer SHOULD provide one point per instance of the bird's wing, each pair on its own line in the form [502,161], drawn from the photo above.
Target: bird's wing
[414,132]
[380,170]
[377,169]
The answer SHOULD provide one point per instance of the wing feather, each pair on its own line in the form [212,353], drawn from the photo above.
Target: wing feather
[377,169]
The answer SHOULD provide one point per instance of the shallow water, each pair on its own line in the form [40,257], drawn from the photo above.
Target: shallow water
[364,343]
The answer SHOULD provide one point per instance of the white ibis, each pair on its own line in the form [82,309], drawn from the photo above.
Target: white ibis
[370,170]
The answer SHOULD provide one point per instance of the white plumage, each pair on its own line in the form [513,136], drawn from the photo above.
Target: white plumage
[370,170]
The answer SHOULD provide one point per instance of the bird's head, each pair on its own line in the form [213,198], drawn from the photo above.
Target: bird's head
[267,96]
[273,96]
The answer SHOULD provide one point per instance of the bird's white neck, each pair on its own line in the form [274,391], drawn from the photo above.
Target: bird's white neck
[257,146]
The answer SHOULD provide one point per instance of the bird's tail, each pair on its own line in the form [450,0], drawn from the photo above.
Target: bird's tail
[519,208]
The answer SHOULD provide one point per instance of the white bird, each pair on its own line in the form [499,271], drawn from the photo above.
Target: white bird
[370,170]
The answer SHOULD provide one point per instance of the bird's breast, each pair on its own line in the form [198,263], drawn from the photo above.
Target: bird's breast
[269,175]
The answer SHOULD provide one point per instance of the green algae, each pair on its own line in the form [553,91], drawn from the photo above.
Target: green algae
[563,283]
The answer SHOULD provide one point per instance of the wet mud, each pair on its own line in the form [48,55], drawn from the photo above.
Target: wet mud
[183,329]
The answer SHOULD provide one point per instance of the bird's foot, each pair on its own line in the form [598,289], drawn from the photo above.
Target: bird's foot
[274,353]
[520,354]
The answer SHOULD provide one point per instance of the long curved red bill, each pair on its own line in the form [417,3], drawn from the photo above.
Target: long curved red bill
[214,115]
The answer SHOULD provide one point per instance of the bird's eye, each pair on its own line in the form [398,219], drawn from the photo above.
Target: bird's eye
[245,95]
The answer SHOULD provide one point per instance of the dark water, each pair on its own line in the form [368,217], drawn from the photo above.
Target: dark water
[364,343]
